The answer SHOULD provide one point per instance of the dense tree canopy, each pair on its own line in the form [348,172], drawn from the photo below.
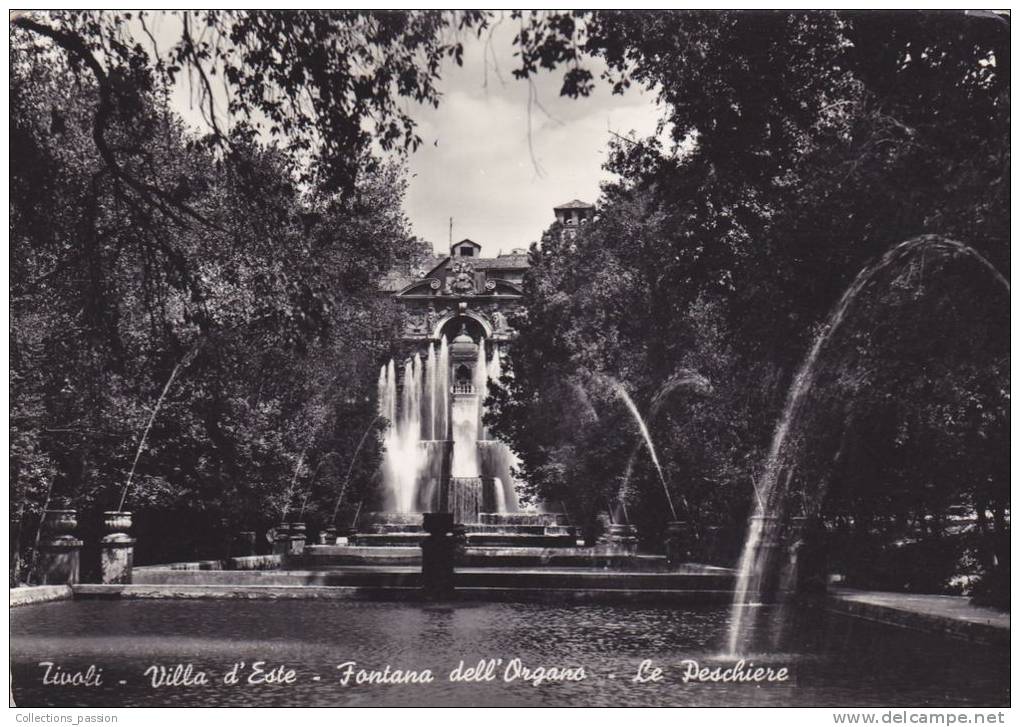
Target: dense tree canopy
[239,265]
[325,85]
[800,146]
[255,333]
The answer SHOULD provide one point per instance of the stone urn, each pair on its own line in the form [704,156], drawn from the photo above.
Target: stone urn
[327,536]
[60,523]
[281,539]
[806,557]
[298,536]
[59,550]
[680,539]
[767,558]
[617,537]
[624,537]
[117,548]
[244,543]
[438,523]
[117,524]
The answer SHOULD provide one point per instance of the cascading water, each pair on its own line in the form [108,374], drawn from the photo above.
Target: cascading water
[442,391]
[403,456]
[464,426]
[480,381]
[430,389]
[495,364]
[427,440]
[498,461]
[410,424]
[765,531]
[388,393]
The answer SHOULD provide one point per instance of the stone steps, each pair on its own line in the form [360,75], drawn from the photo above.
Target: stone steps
[334,556]
[480,528]
[368,519]
[546,579]
[473,538]
[371,555]
[521,518]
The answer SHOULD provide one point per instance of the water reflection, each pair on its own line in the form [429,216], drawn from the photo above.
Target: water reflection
[833,660]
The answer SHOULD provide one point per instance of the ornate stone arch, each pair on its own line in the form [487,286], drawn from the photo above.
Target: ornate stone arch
[482,320]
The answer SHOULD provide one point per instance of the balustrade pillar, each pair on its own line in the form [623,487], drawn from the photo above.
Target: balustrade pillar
[59,557]
[117,548]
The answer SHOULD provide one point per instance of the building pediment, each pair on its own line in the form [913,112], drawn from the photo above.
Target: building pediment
[456,278]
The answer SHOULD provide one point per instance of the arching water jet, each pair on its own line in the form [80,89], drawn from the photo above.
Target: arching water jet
[765,527]
[350,467]
[683,378]
[632,407]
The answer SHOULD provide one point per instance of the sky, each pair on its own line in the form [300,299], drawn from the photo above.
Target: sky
[475,164]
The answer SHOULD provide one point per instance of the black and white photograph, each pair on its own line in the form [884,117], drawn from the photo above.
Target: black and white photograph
[510,358]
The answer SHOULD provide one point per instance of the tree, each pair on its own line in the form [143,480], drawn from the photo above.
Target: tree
[803,145]
[255,335]
[326,85]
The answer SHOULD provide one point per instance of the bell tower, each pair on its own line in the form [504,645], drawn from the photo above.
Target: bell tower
[573,215]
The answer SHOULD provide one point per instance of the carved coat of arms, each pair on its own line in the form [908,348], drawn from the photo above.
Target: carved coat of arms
[460,279]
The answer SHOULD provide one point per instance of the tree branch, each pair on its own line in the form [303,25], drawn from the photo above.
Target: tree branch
[74,44]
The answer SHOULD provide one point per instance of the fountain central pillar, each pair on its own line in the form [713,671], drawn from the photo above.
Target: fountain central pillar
[464,420]
[439,554]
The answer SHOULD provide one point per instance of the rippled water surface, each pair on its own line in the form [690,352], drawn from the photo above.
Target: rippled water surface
[832,660]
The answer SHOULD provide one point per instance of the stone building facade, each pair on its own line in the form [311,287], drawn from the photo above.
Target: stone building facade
[439,456]
[463,291]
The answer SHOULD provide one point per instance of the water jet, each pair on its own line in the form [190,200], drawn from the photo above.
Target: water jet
[757,578]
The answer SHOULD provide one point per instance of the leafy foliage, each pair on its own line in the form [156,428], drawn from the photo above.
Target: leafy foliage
[795,148]
[263,327]
[798,146]
[323,85]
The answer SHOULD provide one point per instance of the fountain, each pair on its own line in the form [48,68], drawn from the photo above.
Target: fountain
[679,534]
[681,378]
[437,450]
[464,407]
[430,390]
[632,407]
[769,531]
[480,381]
[402,436]
[498,463]
[182,364]
[441,392]
[495,365]
[350,469]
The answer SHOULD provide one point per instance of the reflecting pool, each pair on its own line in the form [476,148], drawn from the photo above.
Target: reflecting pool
[831,660]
